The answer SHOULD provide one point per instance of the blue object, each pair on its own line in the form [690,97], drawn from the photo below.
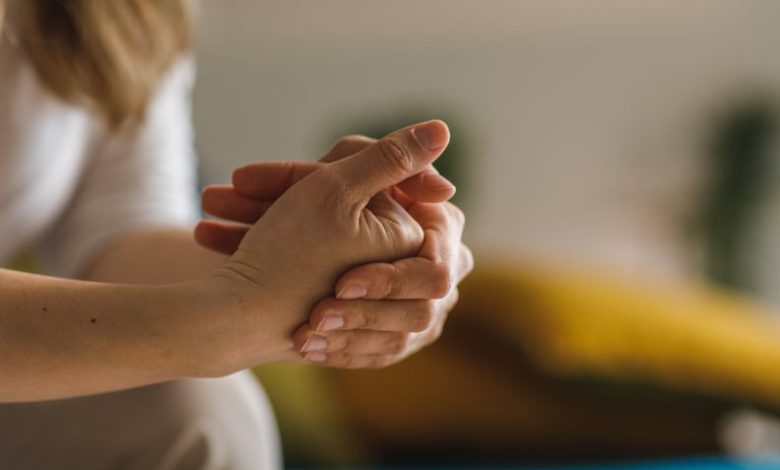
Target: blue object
[704,463]
[770,463]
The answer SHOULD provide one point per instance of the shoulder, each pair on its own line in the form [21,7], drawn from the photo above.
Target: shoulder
[180,76]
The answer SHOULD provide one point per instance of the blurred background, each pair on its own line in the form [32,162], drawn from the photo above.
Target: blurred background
[618,165]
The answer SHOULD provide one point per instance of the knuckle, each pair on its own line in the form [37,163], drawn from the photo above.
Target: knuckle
[424,316]
[383,279]
[391,285]
[437,332]
[412,236]
[398,343]
[458,214]
[347,341]
[369,319]
[469,258]
[397,155]
[455,297]
[441,280]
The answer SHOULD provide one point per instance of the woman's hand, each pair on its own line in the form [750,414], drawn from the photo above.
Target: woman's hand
[382,312]
[331,219]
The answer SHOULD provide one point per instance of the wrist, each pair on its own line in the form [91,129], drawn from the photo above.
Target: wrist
[226,322]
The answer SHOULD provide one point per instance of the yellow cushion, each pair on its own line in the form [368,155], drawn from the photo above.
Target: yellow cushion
[584,323]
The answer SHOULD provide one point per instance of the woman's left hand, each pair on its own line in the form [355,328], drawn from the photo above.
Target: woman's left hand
[382,312]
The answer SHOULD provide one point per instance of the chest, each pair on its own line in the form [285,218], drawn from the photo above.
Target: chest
[44,145]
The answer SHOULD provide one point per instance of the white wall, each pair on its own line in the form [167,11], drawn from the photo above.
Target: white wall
[588,114]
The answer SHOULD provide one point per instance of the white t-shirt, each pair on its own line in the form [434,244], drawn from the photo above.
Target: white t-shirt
[68,187]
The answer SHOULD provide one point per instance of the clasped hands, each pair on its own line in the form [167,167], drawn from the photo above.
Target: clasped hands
[358,255]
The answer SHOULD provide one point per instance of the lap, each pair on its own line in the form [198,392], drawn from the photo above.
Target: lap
[223,423]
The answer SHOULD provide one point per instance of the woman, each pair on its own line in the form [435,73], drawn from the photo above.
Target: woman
[96,171]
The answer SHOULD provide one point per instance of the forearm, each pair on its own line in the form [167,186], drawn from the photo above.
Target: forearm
[61,338]
[153,257]
[169,256]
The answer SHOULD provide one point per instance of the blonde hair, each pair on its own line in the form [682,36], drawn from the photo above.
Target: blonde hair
[109,55]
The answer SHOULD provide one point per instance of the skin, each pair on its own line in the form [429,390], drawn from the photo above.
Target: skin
[380,313]
[61,338]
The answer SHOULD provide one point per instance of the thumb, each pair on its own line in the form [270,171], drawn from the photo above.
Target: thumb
[392,159]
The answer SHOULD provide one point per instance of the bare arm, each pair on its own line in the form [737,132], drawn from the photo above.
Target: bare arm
[61,338]
[154,257]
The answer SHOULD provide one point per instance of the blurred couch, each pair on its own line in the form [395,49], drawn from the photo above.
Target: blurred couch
[542,364]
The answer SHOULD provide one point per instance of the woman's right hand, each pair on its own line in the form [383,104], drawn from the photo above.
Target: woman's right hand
[333,219]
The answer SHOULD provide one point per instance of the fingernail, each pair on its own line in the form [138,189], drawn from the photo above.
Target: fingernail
[315,343]
[316,357]
[448,187]
[432,135]
[352,292]
[331,323]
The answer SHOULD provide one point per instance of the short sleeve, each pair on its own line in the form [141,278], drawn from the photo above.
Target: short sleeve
[138,179]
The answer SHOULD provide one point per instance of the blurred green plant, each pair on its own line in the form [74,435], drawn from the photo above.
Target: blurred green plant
[740,160]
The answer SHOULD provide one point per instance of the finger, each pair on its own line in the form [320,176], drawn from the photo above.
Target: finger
[443,226]
[384,315]
[347,146]
[225,202]
[466,262]
[391,160]
[408,278]
[411,343]
[430,275]
[268,181]
[444,307]
[401,197]
[428,186]
[350,341]
[351,361]
[220,236]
